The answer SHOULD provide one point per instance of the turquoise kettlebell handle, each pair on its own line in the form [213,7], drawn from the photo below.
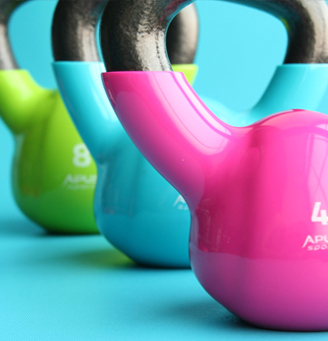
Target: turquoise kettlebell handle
[86,101]
[74,40]
[300,86]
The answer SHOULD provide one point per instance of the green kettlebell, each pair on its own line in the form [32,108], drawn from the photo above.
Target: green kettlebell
[53,173]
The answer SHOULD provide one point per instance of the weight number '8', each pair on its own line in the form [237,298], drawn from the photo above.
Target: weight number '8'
[82,157]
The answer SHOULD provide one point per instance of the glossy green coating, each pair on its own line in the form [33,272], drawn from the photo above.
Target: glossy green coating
[189,70]
[53,173]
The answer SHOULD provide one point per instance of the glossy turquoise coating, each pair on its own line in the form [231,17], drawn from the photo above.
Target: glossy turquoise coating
[136,209]
[293,86]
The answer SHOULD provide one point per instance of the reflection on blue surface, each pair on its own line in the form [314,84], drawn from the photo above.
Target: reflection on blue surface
[76,288]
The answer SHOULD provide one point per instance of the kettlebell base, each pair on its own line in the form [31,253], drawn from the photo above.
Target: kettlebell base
[63,227]
[142,241]
[267,293]
[56,214]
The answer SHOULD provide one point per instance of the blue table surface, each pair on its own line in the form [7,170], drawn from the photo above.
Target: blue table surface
[81,288]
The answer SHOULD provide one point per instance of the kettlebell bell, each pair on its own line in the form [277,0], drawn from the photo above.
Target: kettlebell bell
[137,210]
[257,194]
[53,173]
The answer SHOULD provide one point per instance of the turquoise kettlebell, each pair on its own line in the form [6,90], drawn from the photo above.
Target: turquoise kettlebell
[135,208]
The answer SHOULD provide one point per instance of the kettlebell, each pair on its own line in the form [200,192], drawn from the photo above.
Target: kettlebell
[257,194]
[137,210]
[53,173]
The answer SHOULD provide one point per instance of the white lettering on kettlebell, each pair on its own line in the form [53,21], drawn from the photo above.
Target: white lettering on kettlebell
[322,218]
[180,203]
[82,157]
[318,242]
[80,181]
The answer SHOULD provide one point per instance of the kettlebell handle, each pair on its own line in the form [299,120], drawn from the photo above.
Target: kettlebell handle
[86,24]
[74,32]
[7,60]
[19,93]
[133,32]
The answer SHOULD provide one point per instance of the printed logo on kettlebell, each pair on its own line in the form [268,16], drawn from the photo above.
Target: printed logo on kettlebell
[80,181]
[82,157]
[180,203]
[317,242]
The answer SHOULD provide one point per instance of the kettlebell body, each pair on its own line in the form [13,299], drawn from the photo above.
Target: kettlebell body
[257,194]
[53,173]
[251,192]
[136,209]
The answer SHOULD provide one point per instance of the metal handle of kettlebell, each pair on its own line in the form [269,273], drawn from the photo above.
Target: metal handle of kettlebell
[74,32]
[306,25]
[7,60]
[132,33]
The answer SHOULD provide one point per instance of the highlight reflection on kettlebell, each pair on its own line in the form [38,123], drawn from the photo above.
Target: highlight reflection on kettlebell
[251,190]
[136,209]
[53,174]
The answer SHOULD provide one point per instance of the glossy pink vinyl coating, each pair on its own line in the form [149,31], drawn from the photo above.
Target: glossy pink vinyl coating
[251,191]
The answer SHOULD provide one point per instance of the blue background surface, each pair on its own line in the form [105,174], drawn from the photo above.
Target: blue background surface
[79,287]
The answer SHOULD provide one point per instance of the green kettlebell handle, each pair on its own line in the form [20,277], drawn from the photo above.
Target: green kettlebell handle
[20,96]
[53,174]
[21,100]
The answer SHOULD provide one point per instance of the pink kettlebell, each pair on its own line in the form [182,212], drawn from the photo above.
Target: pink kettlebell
[258,195]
